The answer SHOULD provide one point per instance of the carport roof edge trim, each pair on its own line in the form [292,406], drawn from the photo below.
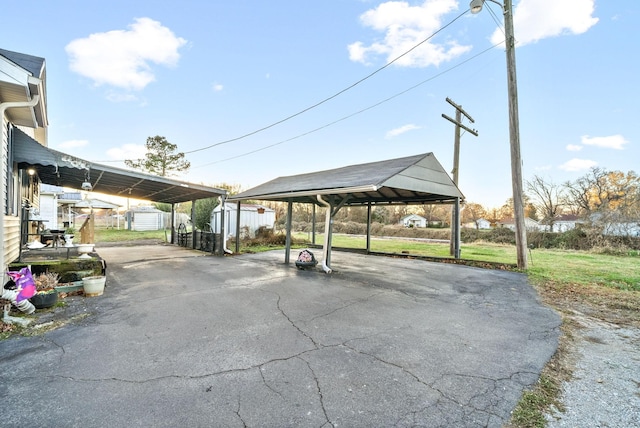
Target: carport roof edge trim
[418,177]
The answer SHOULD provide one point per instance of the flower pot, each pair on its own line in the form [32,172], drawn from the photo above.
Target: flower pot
[84,250]
[44,300]
[93,285]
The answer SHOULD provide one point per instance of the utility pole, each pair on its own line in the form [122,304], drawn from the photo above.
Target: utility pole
[514,137]
[454,248]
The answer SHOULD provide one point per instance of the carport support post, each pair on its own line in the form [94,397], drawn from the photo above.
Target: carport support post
[288,239]
[369,227]
[238,227]
[193,224]
[173,223]
[456,229]
[313,224]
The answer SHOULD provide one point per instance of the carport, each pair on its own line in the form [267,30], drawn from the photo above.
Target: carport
[412,180]
[61,169]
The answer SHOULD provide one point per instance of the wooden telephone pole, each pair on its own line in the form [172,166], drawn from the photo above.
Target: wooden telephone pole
[454,249]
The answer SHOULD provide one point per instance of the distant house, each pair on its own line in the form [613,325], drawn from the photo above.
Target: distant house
[626,228]
[530,224]
[252,218]
[480,223]
[564,223]
[49,206]
[413,220]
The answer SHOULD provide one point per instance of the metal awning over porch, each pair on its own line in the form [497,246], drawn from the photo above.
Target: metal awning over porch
[414,180]
[65,170]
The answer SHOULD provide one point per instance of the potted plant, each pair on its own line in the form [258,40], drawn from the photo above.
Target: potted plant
[46,296]
[69,233]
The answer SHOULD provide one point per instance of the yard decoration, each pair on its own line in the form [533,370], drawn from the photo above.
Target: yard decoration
[306,259]
[17,291]
[25,285]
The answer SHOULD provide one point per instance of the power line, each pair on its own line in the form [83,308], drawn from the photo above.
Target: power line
[332,96]
[352,114]
[323,101]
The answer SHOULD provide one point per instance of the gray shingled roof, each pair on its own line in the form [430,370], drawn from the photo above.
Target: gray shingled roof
[65,170]
[32,64]
[418,179]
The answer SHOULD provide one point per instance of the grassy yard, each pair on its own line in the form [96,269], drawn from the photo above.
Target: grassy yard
[557,266]
[119,235]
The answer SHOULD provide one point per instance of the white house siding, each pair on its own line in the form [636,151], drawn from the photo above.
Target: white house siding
[249,218]
[11,244]
[631,229]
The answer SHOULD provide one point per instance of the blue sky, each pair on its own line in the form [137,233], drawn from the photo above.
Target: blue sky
[204,72]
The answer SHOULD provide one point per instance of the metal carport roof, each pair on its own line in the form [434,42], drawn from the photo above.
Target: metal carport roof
[418,179]
[65,170]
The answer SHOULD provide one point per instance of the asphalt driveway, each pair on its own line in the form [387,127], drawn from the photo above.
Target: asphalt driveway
[183,339]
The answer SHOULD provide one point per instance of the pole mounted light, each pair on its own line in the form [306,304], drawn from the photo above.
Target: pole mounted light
[514,128]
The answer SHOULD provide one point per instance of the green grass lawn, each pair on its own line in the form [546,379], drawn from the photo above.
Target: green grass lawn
[121,235]
[562,267]
[557,266]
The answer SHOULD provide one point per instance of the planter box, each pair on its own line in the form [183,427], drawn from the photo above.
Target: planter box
[69,287]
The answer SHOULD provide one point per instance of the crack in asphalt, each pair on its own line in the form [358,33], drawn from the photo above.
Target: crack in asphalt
[320,395]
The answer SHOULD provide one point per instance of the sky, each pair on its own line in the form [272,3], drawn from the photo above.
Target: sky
[254,90]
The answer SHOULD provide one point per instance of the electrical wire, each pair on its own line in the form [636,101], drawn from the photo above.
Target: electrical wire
[322,101]
[332,96]
[352,114]
[496,20]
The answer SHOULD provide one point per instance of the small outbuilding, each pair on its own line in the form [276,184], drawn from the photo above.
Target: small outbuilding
[252,218]
[145,218]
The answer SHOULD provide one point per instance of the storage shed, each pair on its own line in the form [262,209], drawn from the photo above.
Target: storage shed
[252,217]
[146,218]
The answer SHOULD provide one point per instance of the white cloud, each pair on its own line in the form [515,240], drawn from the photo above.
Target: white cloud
[217,87]
[404,27]
[578,165]
[127,151]
[401,130]
[120,97]
[611,142]
[123,58]
[574,147]
[535,20]
[72,144]
[543,168]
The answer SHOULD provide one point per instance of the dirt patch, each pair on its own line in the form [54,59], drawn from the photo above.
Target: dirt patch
[600,328]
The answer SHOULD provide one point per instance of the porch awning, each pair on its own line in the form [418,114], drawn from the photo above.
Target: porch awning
[61,169]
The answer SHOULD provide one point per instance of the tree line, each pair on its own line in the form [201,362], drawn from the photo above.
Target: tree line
[599,197]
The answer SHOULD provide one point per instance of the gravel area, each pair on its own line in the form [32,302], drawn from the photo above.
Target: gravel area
[605,388]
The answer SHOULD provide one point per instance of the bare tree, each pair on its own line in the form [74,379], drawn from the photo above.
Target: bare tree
[473,213]
[548,199]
